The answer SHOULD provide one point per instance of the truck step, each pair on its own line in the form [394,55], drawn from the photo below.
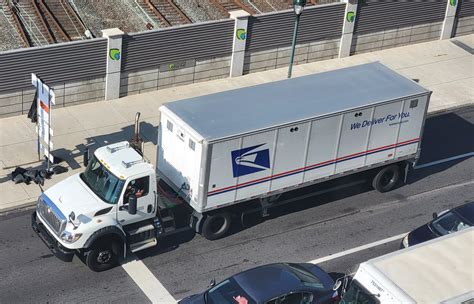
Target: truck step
[169,229]
[143,245]
[141,229]
[172,231]
[167,219]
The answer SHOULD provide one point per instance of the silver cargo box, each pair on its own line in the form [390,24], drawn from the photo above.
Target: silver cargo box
[229,147]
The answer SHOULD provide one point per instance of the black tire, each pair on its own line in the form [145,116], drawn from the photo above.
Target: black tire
[216,225]
[386,179]
[101,257]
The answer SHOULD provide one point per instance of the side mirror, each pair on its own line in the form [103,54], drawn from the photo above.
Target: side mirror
[435,215]
[337,285]
[212,283]
[132,204]
[86,157]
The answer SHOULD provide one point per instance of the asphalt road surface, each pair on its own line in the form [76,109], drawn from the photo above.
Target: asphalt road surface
[309,228]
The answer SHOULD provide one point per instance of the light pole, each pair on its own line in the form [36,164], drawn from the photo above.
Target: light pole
[298,7]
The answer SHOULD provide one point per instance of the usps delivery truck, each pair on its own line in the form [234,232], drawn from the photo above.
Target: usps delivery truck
[223,155]
[437,271]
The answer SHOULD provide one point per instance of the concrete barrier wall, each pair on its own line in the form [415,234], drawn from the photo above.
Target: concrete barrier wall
[141,81]
[464,26]
[268,47]
[268,59]
[67,94]
[362,43]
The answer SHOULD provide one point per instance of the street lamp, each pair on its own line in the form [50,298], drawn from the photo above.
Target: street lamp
[298,6]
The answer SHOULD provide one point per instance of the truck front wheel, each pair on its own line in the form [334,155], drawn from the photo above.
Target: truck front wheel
[386,179]
[101,257]
[216,225]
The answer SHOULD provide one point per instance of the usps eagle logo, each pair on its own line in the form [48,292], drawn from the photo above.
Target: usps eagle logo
[250,160]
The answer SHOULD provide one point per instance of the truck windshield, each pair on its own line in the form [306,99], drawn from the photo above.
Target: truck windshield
[104,184]
[356,294]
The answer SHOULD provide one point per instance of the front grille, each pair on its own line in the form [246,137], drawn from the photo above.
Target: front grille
[51,215]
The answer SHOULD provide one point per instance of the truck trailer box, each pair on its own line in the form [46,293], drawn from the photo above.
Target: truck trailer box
[229,147]
[438,271]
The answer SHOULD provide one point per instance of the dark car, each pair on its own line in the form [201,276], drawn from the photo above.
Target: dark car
[448,221]
[280,283]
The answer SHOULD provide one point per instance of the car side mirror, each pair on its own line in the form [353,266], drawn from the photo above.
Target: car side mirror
[435,215]
[337,285]
[212,283]
[86,157]
[132,204]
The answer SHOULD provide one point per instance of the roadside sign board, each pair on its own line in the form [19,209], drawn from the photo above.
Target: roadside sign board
[45,101]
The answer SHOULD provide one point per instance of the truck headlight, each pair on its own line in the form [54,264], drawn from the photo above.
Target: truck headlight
[70,237]
[405,241]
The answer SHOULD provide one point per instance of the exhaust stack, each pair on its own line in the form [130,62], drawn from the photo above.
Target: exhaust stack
[137,142]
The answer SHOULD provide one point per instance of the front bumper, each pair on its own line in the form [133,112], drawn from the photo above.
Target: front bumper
[62,253]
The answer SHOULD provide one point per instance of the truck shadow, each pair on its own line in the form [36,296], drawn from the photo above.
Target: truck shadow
[148,132]
[446,135]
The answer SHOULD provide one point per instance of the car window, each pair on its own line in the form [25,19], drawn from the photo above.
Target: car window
[449,223]
[305,277]
[293,298]
[228,292]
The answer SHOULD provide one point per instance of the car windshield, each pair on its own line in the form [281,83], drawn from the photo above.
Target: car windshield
[228,292]
[448,223]
[305,277]
[104,184]
[358,295]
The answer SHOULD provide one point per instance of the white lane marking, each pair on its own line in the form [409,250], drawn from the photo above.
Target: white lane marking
[444,160]
[147,282]
[356,249]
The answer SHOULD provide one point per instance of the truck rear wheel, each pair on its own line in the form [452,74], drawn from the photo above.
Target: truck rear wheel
[101,257]
[216,225]
[386,179]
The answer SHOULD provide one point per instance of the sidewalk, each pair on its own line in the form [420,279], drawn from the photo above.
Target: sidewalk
[441,66]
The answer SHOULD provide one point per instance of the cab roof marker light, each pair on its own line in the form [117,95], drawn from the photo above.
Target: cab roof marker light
[129,164]
[114,149]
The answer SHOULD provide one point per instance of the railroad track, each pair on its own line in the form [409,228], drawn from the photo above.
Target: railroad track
[166,12]
[42,22]
[69,26]
[225,6]
[12,17]
[33,22]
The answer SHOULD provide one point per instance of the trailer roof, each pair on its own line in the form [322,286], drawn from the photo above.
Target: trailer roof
[267,105]
[442,266]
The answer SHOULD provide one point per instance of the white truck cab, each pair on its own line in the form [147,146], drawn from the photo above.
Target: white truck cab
[80,211]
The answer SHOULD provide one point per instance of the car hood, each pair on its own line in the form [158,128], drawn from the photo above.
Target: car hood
[420,235]
[194,299]
[72,194]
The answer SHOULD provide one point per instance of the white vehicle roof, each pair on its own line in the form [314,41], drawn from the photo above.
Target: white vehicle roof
[437,271]
[122,160]
[259,107]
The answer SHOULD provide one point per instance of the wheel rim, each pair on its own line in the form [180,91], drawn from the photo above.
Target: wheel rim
[217,225]
[104,257]
[387,178]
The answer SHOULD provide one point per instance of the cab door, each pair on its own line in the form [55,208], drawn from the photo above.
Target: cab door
[142,187]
